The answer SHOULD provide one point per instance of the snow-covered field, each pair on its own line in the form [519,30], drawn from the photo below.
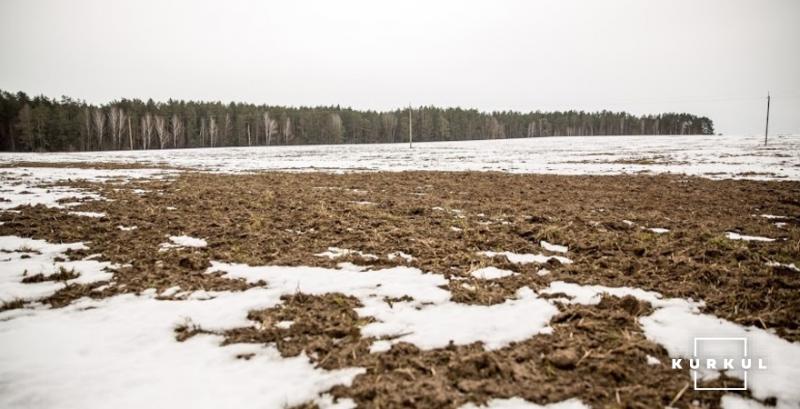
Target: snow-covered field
[712,156]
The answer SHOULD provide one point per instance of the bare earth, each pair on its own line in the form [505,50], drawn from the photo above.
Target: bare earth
[596,352]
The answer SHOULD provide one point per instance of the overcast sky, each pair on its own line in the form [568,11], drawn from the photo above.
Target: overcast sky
[710,57]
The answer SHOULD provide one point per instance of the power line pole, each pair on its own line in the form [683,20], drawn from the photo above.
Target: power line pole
[410,135]
[766,130]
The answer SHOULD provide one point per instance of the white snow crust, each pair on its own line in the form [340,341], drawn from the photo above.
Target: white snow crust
[525,258]
[181,242]
[22,258]
[736,236]
[713,156]
[490,273]
[519,403]
[553,247]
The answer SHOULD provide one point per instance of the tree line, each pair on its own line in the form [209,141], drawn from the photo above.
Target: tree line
[44,124]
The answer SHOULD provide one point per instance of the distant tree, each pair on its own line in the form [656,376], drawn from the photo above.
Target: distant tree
[99,120]
[147,130]
[176,129]
[25,128]
[213,131]
[270,126]
[161,131]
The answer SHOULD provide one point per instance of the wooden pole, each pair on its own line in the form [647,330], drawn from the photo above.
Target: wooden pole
[410,135]
[766,130]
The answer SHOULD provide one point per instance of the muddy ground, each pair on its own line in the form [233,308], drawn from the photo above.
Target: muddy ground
[595,353]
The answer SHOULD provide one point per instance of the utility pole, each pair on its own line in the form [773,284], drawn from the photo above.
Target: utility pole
[410,135]
[766,130]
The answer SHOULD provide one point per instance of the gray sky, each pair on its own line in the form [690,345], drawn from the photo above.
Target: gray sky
[709,57]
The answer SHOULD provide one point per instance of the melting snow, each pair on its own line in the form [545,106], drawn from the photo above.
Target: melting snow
[490,273]
[431,320]
[435,326]
[399,254]
[183,241]
[23,184]
[658,230]
[790,266]
[121,352]
[553,247]
[737,236]
[716,156]
[134,359]
[336,252]
[730,401]
[676,322]
[525,258]
[519,403]
[22,258]
[284,324]
[96,215]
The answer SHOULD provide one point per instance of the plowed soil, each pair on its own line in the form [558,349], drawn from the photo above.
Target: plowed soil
[595,353]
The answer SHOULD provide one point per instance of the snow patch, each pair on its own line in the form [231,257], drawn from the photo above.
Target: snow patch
[491,273]
[519,403]
[26,186]
[736,236]
[429,321]
[96,215]
[23,258]
[730,401]
[121,352]
[790,266]
[399,254]
[336,252]
[553,247]
[284,324]
[658,230]
[522,258]
[182,241]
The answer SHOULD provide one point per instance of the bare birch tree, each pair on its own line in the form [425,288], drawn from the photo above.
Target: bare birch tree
[270,125]
[226,132]
[177,129]
[99,126]
[121,127]
[87,123]
[113,122]
[130,133]
[203,132]
[287,131]
[213,130]
[147,130]
[161,131]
